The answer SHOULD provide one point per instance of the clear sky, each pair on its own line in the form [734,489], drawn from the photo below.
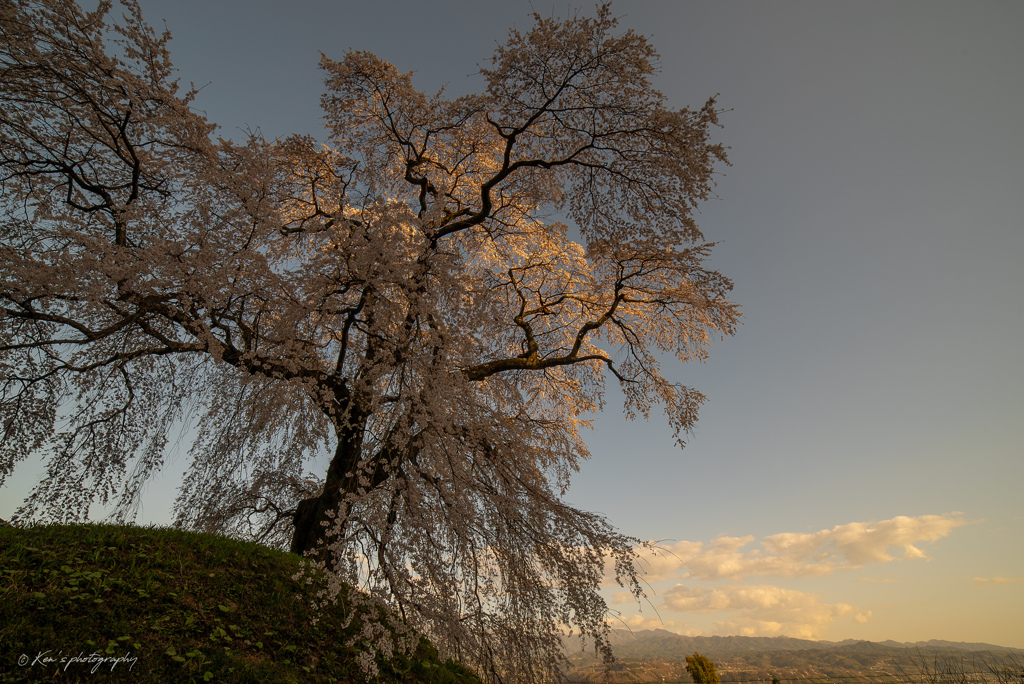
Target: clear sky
[858,470]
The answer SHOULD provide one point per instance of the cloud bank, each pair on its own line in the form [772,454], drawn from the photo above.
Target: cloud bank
[800,554]
[760,610]
[763,609]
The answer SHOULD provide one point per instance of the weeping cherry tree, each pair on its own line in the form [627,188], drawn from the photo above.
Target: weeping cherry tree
[426,308]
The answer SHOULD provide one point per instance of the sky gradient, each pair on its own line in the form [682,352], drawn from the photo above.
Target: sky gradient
[857,469]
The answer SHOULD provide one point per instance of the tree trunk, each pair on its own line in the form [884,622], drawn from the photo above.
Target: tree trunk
[312,518]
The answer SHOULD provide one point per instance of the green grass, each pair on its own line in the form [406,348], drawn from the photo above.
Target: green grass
[176,607]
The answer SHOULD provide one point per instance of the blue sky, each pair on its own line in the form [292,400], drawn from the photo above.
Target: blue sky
[858,467]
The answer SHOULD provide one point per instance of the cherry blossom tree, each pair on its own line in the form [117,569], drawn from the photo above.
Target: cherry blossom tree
[429,306]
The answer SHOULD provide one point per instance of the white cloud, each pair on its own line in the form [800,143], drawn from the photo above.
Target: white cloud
[859,543]
[761,610]
[995,581]
[800,554]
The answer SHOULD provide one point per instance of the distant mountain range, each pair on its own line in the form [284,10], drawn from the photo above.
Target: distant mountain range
[727,645]
[659,656]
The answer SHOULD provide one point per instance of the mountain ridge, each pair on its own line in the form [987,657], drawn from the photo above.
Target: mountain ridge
[659,656]
[737,643]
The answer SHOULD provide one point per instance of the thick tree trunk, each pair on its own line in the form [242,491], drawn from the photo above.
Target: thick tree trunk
[312,518]
[315,517]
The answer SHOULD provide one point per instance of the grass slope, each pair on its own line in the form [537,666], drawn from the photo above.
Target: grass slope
[164,605]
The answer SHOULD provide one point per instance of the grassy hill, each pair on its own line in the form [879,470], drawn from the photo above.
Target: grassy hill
[96,603]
